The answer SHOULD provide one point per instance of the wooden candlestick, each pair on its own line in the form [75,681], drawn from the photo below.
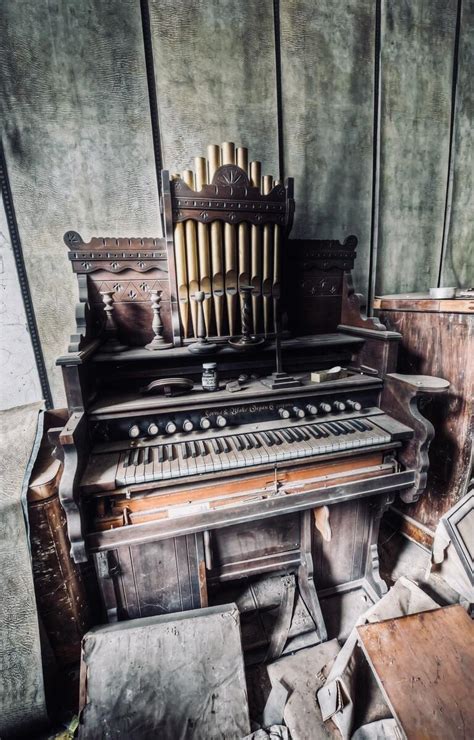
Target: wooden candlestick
[247,340]
[111,343]
[202,346]
[158,341]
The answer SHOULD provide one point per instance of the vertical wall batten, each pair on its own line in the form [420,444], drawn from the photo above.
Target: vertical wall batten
[279,98]
[152,92]
[374,225]
[449,179]
[457,268]
[23,279]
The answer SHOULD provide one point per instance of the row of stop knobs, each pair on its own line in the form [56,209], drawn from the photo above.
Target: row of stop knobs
[297,412]
[323,408]
[171,427]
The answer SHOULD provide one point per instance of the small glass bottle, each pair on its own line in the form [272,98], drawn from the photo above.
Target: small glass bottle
[210,380]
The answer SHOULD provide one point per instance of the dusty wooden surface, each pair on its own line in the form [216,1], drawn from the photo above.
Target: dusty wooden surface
[440,344]
[424,664]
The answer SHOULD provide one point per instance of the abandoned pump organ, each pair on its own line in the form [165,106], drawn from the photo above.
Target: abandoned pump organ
[188,486]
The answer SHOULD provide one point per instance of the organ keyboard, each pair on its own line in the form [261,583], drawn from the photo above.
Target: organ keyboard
[174,496]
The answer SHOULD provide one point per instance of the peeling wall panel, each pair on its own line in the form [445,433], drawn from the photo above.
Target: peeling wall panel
[215,77]
[417,68]
[328,52]
[77,136]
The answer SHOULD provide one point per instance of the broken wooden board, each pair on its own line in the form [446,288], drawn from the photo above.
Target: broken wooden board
[424,665]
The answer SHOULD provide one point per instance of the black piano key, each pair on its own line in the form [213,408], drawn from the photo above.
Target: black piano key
[238,443]
[359,425]
[147,455]
[247,442]
[329,425]
[277,437]
[126,459]
[202,447]
[255,440]
[135,458]
[161,454]
[216,446]
[170,452]
[314,431]
[368,426]
[323,431]
[267,438]
[225,445]
[304,433]
[193,448]
[186,450]
[346,428]
[340,425]
[286,435]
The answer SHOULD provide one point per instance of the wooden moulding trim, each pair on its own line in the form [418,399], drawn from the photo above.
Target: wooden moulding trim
[370,333]
[422,305]
[410,528]
[271,507]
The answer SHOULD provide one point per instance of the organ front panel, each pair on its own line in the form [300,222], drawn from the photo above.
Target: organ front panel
[176,492]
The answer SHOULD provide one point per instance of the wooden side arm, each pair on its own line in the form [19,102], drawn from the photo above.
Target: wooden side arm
[400,397]
[74,443]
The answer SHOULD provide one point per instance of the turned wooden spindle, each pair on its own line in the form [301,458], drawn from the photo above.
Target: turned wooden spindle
[202,346]
[111,343]
[158,341]
[247,340]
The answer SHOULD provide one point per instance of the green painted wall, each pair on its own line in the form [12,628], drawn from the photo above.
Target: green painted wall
[78,133]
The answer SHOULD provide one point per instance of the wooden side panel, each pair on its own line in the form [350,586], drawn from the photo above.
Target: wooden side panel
[214,70]
[458,266]
[327,53]
[442,345]
[342,559]
[77,137]
[160,577]
[417,68]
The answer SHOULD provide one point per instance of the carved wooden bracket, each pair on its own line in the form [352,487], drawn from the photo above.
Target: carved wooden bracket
[352,314]
[74,442]
[400,397]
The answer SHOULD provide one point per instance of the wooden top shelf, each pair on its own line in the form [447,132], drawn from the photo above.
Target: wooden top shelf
[320,341]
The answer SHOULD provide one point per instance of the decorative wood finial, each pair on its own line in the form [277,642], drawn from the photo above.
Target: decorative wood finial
[158,341]
[111,343]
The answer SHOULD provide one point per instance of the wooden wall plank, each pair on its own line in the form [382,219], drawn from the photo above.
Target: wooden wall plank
[417,68]
[327,52]
[215,76]
[458,263]
[76,130]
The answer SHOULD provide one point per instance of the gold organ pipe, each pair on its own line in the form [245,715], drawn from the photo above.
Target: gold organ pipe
[192,255]
[267,271]
[242,157]
[200,165]
[228,152]
[255,173]
[230,250]
[181,275]
[214,157]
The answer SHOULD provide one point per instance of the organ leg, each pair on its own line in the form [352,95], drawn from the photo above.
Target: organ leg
[306,574]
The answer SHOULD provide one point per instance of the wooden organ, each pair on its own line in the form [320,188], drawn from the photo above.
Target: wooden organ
[175,491]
